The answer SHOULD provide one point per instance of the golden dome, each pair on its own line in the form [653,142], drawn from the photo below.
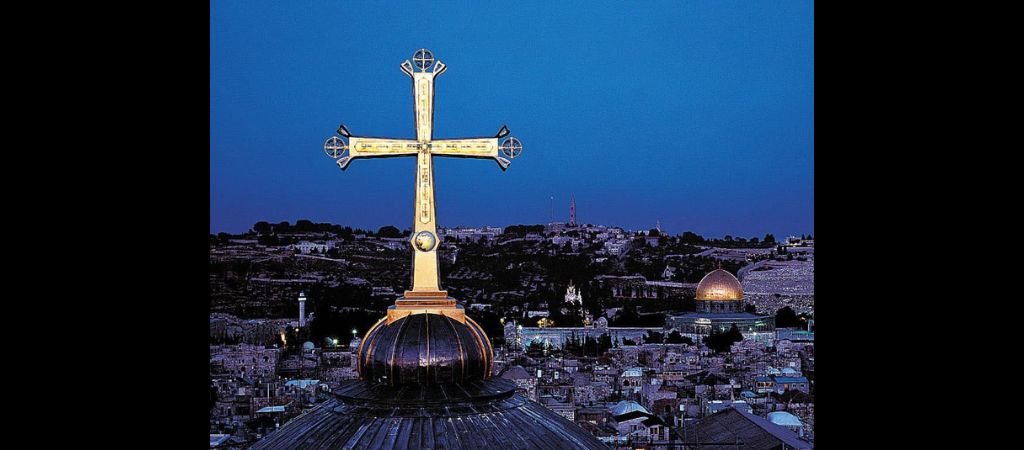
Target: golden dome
[719,285]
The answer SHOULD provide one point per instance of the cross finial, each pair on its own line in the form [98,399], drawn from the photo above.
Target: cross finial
[426,294]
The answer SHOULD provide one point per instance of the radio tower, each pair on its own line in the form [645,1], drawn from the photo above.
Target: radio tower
[572,212]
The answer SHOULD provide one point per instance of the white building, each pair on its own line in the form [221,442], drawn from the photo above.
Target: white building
[617,247]
[305,247]
[472,234]
[572,296]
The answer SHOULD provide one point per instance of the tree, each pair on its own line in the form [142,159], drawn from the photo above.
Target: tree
[769,238]
[604,343]
[654,337]
[213,396]
[262,227]
[597,347]
[389,231]
[750,308]
[786,318]
[690,237]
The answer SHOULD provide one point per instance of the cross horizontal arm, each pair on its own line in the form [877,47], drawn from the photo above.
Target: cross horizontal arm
[367,147]
[471,148]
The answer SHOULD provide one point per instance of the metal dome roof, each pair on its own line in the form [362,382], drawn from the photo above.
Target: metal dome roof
[719,285]
[627,406]
[785,419]
[425,348]
[473,415]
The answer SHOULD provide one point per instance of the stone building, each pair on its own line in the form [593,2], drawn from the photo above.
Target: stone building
[244,361]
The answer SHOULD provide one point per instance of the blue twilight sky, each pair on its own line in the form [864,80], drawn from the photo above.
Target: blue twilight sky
[697,113]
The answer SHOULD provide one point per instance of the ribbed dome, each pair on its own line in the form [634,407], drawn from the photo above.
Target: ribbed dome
[471,416]
[719,285]
[425,349]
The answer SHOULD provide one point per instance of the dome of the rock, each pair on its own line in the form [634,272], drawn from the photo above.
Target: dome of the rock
[719,285]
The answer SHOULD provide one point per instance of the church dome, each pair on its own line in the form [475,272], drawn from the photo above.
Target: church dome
[719,285]
[425,349]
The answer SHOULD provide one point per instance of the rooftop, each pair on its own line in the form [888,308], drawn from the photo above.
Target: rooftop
[742,429]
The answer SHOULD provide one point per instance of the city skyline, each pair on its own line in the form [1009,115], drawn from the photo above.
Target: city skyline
[701,119]
[581,224]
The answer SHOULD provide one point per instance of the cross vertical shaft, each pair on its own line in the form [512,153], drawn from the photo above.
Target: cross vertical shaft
[425,270]
[424,265]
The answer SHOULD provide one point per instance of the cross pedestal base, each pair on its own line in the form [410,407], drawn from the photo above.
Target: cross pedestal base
[437,302]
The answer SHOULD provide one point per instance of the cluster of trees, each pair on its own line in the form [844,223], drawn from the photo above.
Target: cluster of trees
[785,317]
[673,338]
[722,342]
[264,228]
[728,241]
[588,346]
[523,230]
[389,231]
[301,226]
[691,269]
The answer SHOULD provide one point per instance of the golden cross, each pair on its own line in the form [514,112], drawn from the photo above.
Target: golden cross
[426,293]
